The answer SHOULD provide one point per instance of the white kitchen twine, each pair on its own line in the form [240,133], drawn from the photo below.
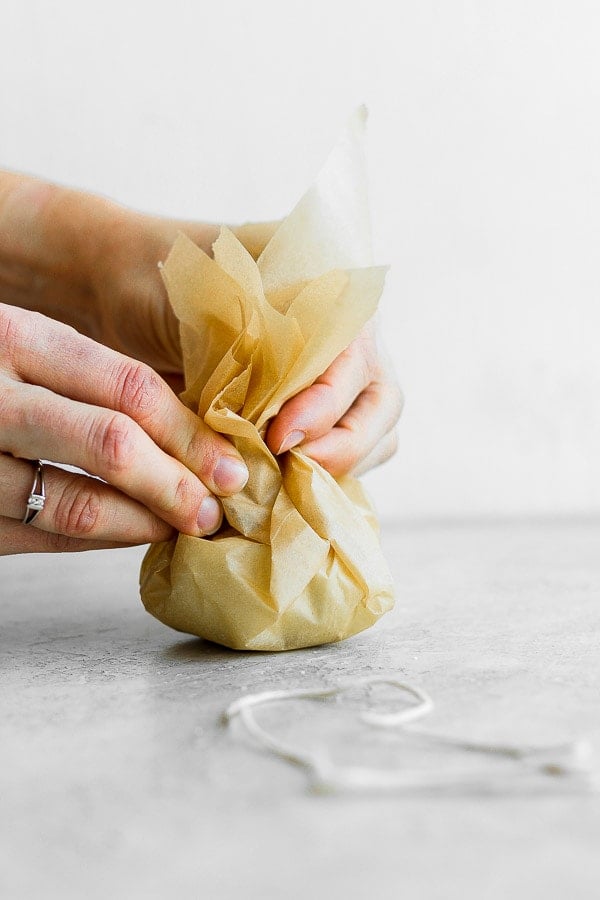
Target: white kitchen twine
[571,760]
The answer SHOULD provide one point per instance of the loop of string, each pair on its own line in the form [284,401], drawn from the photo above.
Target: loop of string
[570,760]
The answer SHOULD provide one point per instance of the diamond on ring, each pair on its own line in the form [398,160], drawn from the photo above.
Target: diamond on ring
[37,497]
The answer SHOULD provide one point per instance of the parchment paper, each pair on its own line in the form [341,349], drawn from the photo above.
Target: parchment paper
[298,562]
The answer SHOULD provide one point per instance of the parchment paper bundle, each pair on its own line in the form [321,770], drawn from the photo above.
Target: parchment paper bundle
[299,561]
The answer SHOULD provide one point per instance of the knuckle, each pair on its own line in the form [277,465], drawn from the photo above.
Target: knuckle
[113,442]
[353,426]
[139,389]
[183,503]
[23,331]
[177,497]
[187,497]
[157,530]
[9,410]
[205,448]
[77,511]
[183,492]
[329,401]
[10,330]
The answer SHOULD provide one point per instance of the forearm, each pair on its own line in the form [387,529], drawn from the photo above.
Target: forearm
[51,241]
[87,261]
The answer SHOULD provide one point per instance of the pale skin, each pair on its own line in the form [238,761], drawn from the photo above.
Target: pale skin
[90,367]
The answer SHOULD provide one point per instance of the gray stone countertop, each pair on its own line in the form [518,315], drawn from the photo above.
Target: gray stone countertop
[118,778]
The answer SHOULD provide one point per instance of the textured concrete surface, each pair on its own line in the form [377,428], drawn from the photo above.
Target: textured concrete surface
[117,779]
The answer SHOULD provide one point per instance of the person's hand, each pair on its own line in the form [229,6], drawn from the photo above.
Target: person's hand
[93,399]
[65,397]
[346,420]
[92,264]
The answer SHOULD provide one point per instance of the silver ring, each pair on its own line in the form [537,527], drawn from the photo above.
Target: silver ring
[37,497]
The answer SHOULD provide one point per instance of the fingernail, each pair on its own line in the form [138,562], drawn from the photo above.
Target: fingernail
[210,515]
[291,440]
[230,475]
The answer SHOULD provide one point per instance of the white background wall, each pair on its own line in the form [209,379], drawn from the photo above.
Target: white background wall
[485,174]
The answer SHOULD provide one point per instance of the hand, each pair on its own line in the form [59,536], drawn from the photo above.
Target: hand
[97,404]
[93,265]
[65,397]
[346,420]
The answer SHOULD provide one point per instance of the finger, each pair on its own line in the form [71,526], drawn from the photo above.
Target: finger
[92,373]
[37,424]
[78,506]
[314,411]
[384,450]
[17,538]
[359,431]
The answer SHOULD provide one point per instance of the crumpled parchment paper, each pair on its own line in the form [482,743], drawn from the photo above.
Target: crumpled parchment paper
[298,560]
